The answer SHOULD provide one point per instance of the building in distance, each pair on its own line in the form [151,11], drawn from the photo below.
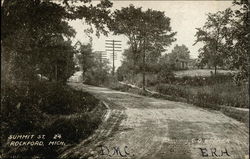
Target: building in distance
[101,55]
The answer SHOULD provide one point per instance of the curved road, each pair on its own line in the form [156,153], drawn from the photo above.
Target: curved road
[147,128]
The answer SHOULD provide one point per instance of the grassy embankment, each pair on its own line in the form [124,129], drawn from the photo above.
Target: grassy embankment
[199,88]
[46,109]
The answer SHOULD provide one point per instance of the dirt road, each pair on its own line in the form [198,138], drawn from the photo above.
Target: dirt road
[148,128]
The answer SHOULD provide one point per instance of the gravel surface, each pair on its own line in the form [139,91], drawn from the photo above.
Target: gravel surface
[148,128]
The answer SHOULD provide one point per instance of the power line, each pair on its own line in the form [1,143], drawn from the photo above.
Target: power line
[112,45]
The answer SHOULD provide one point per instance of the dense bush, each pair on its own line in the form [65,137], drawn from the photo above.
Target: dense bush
[63,100]
[202,81]
[19,111]
[151,80]
[166,75]
[98,74]
[119,87]
[172,90]
[75,128]
[51,98]
[96,78]
[209,96]
[204,99]
[47,108]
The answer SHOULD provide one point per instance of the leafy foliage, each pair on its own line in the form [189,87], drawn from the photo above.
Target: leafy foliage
[210,96]
[85,57]
[213,34]
[31,35]
[47,108]
[98,74]
[138,25]
[203,81]
[179,53]
[149,32]
[165,75]
[226,36]
[238,43]
[95,70]
[36,36]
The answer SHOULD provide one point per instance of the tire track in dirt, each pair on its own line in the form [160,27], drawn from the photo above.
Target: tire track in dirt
[159,129]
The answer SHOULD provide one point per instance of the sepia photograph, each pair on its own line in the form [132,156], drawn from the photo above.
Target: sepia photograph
[125,79]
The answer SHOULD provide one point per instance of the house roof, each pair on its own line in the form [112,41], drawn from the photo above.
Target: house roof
[181,60]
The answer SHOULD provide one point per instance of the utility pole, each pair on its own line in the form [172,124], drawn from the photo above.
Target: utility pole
[112,45]
[56,72]
[113,70]
[143,71]
[100,57]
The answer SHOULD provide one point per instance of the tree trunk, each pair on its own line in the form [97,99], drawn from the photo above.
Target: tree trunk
[113,69]
[143,72]
[143,80]
[134,65]
[56,72]
[215,70]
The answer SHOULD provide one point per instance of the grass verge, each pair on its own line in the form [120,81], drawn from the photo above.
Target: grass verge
[225,97]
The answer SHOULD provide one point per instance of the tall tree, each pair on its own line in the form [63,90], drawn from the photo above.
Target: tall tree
[179,52]
[238,41]
[85,57]
[149,32]
[56,60]
[33,30]
[213,35]
[98,73]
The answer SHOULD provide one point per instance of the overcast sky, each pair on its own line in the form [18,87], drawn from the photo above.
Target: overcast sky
[185,17]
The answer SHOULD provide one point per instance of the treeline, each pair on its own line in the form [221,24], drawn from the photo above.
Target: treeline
[37,38]
[224,36]
[225,39]
[95,69]
[37,59]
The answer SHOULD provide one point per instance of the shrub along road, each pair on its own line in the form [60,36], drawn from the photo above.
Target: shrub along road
[143,127]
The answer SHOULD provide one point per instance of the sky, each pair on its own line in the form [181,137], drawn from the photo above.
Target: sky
[185,17]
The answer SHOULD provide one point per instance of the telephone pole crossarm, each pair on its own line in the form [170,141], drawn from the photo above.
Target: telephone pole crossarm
[113,45]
